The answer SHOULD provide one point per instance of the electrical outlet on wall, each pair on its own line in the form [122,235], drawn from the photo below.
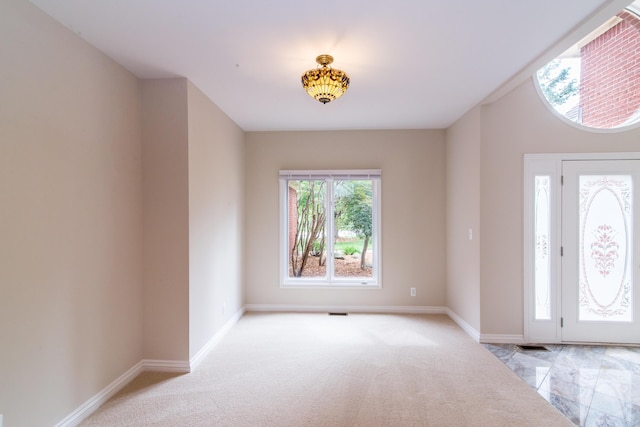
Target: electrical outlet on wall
[413,292]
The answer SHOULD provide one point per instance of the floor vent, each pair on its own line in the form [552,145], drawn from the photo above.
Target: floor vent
[533,348]
[338,314]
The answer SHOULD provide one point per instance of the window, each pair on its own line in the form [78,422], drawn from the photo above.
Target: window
[542,236]
[330,228]
[596,82]
[541,247]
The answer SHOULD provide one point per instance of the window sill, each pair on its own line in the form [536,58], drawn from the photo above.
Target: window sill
[312,284]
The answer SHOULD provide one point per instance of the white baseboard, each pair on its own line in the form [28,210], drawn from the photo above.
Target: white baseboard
[464,325]
[345,309]
[502,339]
[206,349]
[74,418]
[177,366]
[477,336]
[90,406]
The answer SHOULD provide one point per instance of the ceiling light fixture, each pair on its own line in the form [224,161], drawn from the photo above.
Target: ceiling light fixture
[325,83]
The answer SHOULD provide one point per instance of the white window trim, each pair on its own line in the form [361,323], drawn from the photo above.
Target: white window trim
[330,281]
[632,8]
[536,330]
[579,126]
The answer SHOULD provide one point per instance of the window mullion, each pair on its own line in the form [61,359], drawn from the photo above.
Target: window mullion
[330,230]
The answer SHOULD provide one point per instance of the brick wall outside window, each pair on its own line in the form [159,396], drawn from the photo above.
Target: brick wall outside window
[610,80]
[293,217]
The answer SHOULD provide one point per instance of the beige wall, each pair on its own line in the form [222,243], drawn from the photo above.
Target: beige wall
[70,219]
[166,219]
[516,124]
[120,215]
[413,212]
[193,206]
[216,182]
[463,214]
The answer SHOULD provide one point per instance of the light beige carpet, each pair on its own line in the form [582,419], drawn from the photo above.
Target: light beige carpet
[320,370]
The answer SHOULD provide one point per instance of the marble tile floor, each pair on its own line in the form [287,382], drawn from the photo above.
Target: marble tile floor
[590,385]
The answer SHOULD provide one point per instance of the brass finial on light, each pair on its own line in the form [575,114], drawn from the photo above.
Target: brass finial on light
[325,83]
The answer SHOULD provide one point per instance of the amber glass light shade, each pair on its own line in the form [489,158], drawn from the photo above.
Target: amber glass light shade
[325,83]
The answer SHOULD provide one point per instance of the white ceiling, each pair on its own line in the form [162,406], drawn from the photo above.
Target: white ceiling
[413,64]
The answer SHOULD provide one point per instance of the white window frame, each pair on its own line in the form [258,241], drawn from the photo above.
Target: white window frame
[542,330]
[330,281]
[633,123]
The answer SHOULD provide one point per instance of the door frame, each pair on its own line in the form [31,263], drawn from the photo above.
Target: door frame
[548,330]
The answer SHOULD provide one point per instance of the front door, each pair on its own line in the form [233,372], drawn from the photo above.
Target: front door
[601,251]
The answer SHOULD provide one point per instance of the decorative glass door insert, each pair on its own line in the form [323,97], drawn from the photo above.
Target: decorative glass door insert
[542,234]
[605,248]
